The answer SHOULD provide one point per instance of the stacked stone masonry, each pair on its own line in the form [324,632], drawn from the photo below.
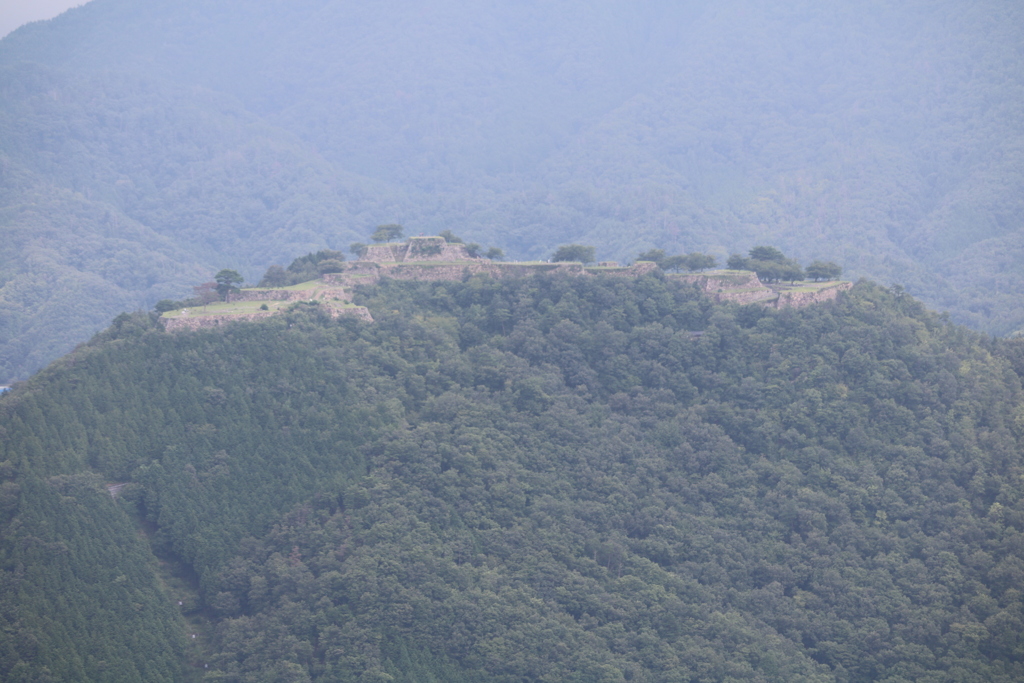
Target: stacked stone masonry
[192,323]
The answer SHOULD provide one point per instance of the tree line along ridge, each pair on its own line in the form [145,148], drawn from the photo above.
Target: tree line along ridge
[324,275]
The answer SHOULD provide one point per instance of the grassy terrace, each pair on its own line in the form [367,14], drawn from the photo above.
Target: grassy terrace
[242,308]
[406,264]
[431,264]
[806,286]
[302,286]
[229,308]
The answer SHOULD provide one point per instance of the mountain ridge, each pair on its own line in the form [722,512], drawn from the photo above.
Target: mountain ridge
[886,140]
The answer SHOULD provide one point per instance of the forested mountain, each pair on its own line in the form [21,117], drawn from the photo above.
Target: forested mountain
[887,138]
[548,479]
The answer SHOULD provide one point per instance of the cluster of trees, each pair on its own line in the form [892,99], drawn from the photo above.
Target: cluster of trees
[224,284]
[544,479]
[771,265]
[580,253]
[304,268]
[472,248]
[383,233]
[695,261]
[312,266]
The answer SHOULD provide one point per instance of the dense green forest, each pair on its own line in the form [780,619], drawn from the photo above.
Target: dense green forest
[547,479]
[169,139]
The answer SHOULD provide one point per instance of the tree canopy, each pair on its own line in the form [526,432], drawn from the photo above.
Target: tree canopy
[227,282]
[574,252]
[822,270]
[386,233]
[770,264]
[548,479]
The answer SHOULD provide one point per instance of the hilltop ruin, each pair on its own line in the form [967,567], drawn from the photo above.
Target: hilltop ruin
[435,259]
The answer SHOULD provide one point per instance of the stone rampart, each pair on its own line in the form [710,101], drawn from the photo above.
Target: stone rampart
[636,270]
[363,272]
[454,272]
[445,252]
[741,287]
[795,299]
[191,323]
[384,253]
[417,249]
[290,294]
[356,273]
[180,323]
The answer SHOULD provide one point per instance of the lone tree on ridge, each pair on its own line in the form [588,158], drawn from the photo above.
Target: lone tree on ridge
[386,233]
[574,252]
[698,261]
[824,270]
[227,282]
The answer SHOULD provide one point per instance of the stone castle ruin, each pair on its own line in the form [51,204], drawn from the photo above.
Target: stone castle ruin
[419,249]
[434,259]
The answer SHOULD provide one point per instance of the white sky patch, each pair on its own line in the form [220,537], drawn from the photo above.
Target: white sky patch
[15,13]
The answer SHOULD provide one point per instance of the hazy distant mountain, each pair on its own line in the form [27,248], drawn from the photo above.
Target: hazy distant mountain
[888,138]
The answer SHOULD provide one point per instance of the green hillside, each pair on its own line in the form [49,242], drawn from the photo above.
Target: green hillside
[545,479]
[885,138]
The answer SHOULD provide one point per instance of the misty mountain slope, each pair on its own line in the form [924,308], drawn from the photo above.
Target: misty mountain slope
[68,263]
[393,89]
[120,191]
[886,138]
[888,142]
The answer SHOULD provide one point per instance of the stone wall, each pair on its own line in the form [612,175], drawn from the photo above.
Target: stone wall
[368,273]
[635,270]
[741,287]
[384,253]
[801,299]
[180,323]
[290,294]
[448,272]
[191,323]
[356,273]
[417,249]
[435,249]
